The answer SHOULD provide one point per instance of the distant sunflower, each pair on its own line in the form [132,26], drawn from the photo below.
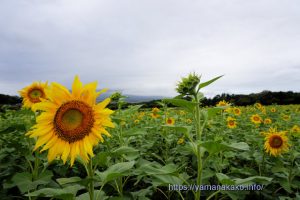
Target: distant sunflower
[154,115]
[267,121]
[33,94]
[273,110]
[256,119]
[222,103]
[231,123]
[286,117]
[276,143]
[170,121]
[237,111]
[189,121]
[155,110]
[72,123]
[180,140]
[295,129]
[258,105]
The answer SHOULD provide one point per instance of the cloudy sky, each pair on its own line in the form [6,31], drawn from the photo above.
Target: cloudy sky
[145,47]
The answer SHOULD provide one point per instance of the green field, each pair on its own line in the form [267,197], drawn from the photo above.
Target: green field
[78,149]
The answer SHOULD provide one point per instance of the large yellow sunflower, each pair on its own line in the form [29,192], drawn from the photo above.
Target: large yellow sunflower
[33,94]
[72,123]
[276,143]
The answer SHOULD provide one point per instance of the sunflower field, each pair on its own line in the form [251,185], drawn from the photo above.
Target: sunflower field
[65,145]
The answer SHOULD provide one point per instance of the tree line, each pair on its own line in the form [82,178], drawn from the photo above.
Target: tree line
[264,97]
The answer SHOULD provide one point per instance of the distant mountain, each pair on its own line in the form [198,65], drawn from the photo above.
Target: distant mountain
[132,98]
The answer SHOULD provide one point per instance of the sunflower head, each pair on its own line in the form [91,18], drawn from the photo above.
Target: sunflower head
[154,115]
[155,110]
[33,94]
[231,123]
[267,121]
[170,121]
[180,140]
[72,123]
[136,121]
[273,110]
[286,117]
[189,121]
[258,105]
[276,143]
[295,129]
[222,103]
[237,111]
[256,119]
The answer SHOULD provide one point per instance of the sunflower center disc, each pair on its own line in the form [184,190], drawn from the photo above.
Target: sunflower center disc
[231,123]
[276,142]
[35,94]
[73,121]
[256,119]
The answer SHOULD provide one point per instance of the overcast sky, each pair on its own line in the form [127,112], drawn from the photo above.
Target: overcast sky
[145,47]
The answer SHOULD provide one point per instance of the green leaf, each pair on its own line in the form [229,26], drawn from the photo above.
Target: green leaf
[23,181]
[101,159]
[115,171]
[214,147]
[128,153]
[63,181]
[99,195]
[165,180]
[61,193]
[254,179]
[212,112]
[202,85]
[156,169]
[224,179]
[190,106]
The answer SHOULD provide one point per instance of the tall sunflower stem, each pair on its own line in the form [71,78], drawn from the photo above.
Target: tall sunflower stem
[198,137]
[90,173]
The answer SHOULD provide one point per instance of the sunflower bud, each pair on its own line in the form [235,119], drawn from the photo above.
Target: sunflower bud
[116,96]
[188,84]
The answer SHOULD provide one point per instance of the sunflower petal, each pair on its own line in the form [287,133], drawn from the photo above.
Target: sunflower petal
[76,87]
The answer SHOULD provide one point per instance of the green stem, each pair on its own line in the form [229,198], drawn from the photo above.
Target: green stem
[198,138]
[90,174]
[262,164]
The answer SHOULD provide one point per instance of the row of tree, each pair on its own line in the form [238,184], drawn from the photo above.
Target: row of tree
[265,98]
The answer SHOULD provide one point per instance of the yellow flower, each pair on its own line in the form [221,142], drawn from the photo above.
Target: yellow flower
[267,121]
[180,141]
[189,121]
[136,121]
[231,123]
[273,110]
[72,123]
[276,143]
[295,129]
[154,115]
[170,121]
[182,112]
[222,103]
[286,117]
[155,110]
[33,94]
[258,105]
[256,119]
[237,111]
[141,115]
